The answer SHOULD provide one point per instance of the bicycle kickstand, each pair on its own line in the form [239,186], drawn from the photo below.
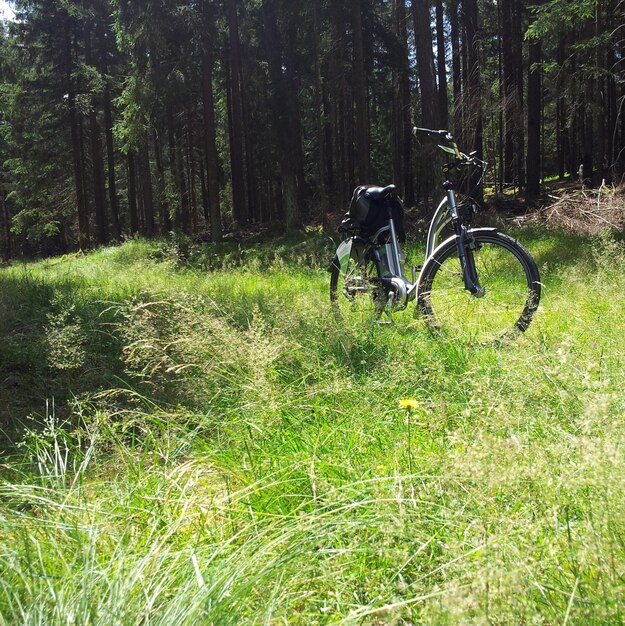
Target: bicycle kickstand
[388,309]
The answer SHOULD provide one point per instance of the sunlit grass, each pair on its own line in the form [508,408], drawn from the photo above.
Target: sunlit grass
[222,449]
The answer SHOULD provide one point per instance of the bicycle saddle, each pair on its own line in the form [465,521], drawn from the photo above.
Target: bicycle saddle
[378,193]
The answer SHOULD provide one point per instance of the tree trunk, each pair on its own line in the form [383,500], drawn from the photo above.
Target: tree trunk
[619,130]
[499,159]
[341,110]
[6,229]
[561,129]
[210,146]
[97,161]
[510,102]
[282,97]
[612,127]
[147,196]
[79,172]
[359,84]
[235,116]
[202,173]
[177,175]
[430,117]
[99,189]
[403,122]
[619,148]
[184,211]
[456,69]
[108,131]
[248,152]
[532,188]
[465,112]
[190,167]
[320,120]
[396,127]
[133,213]
[443,99]
[163,208]
[330,124]
[601,110]
[588,135]
[517,51]
[473,83]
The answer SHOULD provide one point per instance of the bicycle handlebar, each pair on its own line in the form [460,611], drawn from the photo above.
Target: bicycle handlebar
[441,134]
[445,135]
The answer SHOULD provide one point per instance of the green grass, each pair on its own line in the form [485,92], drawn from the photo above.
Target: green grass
[195,439]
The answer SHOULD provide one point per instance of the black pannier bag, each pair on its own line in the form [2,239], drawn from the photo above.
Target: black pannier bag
[369,215]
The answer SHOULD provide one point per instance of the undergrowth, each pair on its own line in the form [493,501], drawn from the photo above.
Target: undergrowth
[193,438]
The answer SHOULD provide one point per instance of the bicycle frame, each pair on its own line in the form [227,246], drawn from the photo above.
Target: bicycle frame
[461,263]
[445,212]
[405,290]
[400,289]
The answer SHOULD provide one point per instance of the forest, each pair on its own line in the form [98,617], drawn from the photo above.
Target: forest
[123,118]
[194,430]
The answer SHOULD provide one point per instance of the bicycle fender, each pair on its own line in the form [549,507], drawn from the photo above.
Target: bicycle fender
[483,229]
[343,253]
[474,231]
[353,247]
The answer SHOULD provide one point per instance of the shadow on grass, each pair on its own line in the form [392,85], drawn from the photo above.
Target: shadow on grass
[55,343]
[556,248]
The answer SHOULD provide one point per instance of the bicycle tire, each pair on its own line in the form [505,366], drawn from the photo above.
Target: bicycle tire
[352,294]
[506,271]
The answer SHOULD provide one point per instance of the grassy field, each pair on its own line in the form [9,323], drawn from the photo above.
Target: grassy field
[192,438]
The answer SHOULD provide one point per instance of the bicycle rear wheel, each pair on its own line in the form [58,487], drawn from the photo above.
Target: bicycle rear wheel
[355,297]
[506,272]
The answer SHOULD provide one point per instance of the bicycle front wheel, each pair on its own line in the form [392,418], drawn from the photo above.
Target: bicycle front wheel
[510,285]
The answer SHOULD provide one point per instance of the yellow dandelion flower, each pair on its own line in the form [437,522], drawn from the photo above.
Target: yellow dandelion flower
[409,403]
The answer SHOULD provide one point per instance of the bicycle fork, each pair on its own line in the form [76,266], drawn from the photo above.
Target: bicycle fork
[466,245]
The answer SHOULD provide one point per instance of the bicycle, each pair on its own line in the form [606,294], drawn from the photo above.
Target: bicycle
[478,283]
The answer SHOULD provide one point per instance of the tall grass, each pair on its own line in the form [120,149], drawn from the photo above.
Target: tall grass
[222,450]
